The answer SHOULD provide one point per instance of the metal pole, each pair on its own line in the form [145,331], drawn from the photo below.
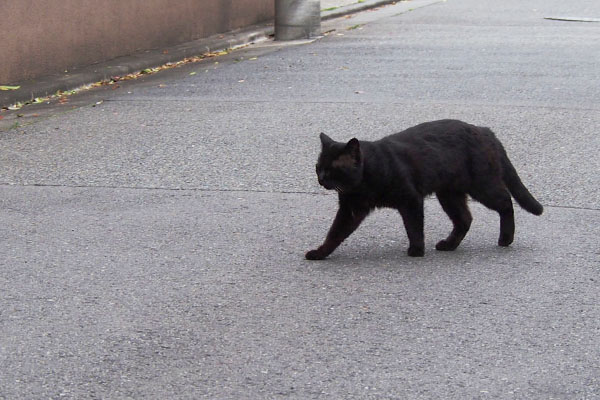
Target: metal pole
[297,19]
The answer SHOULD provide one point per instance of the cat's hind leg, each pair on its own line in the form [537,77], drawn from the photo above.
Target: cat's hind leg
[455,205]
[497,197]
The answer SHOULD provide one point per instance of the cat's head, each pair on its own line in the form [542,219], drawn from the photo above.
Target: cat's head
[340,165]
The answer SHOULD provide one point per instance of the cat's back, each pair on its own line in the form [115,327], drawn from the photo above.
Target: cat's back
[442,136]
[436,149]
[432,156]
[441,130]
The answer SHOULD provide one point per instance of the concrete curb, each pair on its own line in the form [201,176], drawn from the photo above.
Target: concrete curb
[49,85]
[354,8]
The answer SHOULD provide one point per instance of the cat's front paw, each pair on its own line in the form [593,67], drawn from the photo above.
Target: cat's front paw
[505,240]
[315,255]
[416,251]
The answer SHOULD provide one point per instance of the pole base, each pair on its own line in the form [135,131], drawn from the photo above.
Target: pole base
[297,19]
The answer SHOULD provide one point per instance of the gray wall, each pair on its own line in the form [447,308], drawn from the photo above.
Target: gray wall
[45,37]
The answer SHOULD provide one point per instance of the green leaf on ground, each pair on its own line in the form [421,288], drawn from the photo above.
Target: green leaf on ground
[10,87]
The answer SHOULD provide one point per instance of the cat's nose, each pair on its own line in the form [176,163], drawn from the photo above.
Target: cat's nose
[323,181]
[321,177]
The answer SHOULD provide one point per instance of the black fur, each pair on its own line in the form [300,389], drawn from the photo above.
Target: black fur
[449,158]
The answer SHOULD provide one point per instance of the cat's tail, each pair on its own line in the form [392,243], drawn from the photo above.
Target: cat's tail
[518,190]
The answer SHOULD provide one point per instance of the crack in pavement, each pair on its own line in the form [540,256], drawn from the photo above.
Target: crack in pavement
[193,189]
[225,190]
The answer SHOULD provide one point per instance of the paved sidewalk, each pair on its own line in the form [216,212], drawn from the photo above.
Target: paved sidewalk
[153,232]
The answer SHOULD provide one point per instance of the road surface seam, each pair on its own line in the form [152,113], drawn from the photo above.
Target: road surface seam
[196,100]
[52,185]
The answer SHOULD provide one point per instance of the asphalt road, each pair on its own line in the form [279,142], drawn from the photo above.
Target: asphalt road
[152,245]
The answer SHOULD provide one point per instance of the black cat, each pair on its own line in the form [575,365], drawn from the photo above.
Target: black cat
[449,158]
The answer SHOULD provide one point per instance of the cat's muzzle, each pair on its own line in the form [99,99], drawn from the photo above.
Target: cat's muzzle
[326,185]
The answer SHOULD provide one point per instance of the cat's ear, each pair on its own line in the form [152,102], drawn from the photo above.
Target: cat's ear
[325,140]
[353,148]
